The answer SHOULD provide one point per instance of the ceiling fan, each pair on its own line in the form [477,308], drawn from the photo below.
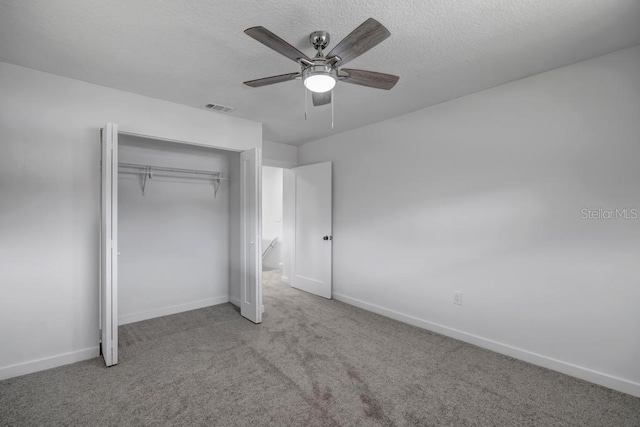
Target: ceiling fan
[320,73]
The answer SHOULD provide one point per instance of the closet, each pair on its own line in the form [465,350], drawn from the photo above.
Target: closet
[174,236]
[179,230]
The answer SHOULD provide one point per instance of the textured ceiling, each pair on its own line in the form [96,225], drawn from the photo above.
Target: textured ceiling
[194,52]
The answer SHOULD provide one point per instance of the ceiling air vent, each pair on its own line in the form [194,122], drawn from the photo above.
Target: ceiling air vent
[219,108]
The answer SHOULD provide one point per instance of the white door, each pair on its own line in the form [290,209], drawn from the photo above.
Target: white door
[251,259]
[109,246]
[312,245]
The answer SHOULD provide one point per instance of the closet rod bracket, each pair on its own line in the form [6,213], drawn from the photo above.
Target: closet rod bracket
[216,186]
[145,175]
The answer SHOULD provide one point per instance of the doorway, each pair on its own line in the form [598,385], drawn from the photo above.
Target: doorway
[272,218]
[296,227]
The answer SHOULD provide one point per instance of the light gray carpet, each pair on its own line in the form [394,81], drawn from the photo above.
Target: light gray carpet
[312,362]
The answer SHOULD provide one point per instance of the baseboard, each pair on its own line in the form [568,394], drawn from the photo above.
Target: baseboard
[583,373]
[285,279]
[48,362]
[174,309]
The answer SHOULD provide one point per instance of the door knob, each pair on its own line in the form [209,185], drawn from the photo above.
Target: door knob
[327,238]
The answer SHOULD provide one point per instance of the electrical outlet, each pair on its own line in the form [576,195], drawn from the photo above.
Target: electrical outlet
[457,297]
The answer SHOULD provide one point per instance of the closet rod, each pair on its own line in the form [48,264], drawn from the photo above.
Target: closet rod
[147,171]
[145,168]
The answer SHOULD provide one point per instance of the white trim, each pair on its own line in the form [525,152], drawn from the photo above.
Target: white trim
[583,373]
[48,362]
[235,301]
[174,309]
[285,279]
[179,141]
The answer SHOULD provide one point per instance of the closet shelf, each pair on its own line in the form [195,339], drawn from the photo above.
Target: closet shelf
[148,171]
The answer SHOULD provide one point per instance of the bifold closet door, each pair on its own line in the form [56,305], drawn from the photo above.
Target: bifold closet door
[251,260]
[109,246]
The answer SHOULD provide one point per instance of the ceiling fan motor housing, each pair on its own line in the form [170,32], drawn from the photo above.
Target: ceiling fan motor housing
[320,67]
[319,39]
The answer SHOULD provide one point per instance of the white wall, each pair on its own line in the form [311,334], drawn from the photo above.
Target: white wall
[50,199]
[279,155]
[174,239]
[272,187]
[484,195]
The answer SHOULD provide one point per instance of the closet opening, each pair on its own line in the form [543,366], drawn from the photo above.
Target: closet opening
[174,235]
[180,230]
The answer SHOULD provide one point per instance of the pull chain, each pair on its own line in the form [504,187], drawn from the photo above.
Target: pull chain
[305,103]
[333,101]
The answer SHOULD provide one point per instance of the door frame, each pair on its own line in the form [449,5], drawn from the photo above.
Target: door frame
[250,231]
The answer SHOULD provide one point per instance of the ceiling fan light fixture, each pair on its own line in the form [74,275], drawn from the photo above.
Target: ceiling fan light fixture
[319,78]
[319,83]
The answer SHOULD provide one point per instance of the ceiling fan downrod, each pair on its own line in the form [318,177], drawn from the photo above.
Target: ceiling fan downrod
[319,40]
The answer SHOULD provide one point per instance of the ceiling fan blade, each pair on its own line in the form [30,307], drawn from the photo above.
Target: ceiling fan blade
[368,78]
[360,40]
[269,39]
[272,80]
[321,98]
